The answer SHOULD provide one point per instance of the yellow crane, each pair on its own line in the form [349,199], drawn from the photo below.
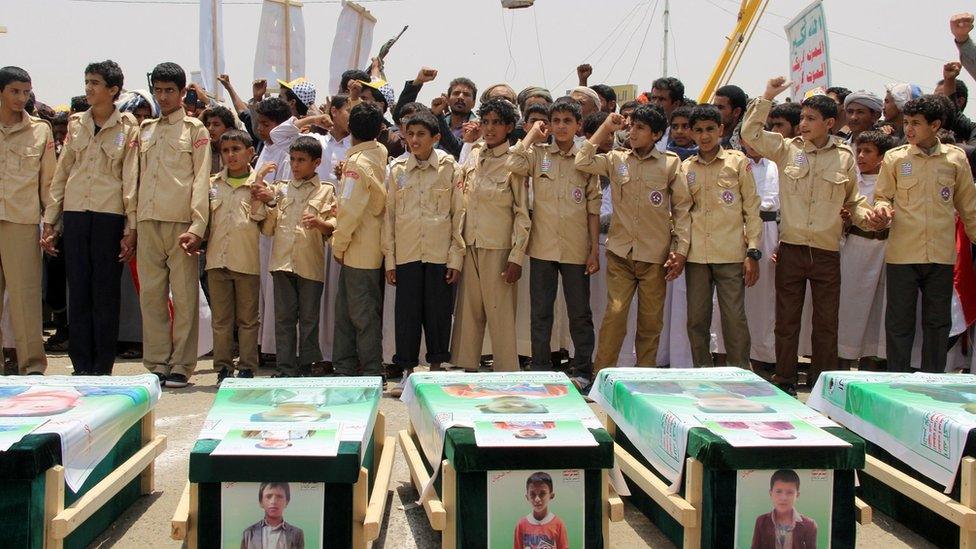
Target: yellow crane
[749,13]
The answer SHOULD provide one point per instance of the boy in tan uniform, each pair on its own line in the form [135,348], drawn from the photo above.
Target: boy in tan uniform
[300,217]
[723,256]
[422,244]
[233,258]
[358,247]
[94,196]
[921,187]
[565,235]
[172,214]
[496,233]
[27,164]
[818,178]
[649,230]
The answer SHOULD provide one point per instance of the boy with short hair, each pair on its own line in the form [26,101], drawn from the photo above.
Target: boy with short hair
[233,262]
[923,185]
[784,119]
[172,215]
[27,151]
[723,254]
[299,216]
[540,529]
[422,243]
[862,264]
[818,178]
[784,490]
[93,197]
[648,240]
[218,119]
[680,140]
[357,246]
[564,242]
[496,233]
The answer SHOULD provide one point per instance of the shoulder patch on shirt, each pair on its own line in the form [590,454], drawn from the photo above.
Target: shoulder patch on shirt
[213,193]
[578,195]
[50,145]
[656,198]
[401,180]
[201,142]
[350,174]
[906,169]
[622,170]
[946,193]
[546,164]
[728,197]
[120,139]
[691,177]
[801,159]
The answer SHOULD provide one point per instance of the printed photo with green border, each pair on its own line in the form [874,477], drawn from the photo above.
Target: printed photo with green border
[294,510]
[279,439]
[513,431]
[536,509]
[773,506]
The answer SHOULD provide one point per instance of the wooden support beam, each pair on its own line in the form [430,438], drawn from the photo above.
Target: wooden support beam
[674,505]
[694,477]
[935,501]
[436,513]
[967,497]
[53,505]
[148,434]
[181,517]
[449,497]
[381,489]
[863,513]
[84,507]
[360,495]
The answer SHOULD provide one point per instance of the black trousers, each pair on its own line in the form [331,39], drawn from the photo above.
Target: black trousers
[91,253]
[543,281]
[424,301]
[297,302]
[357,344]
[903,284]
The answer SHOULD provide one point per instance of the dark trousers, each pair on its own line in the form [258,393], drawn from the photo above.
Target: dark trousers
[543,281]
[297,300]
[91,252]
[55,283]
[424,300]
[794,267]
[358,337]
[903,285]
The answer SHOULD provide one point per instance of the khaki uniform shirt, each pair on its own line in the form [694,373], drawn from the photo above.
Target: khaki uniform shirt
[424,212]
[814,184]
[564,199]
[496,203]
[234,228]
[97,172]
[174,171]
[296,249]
[27,165]
[724,200]
[650,202]
[358,238]
[925,191]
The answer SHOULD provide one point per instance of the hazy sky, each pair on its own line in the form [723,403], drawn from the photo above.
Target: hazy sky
[622,39]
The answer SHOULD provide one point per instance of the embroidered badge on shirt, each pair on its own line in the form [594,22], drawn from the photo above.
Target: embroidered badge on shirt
[906,168]
[400,180]
[50,145]
[119,139]
[351,175]
[945,193]
[801,159]
[146,134]
[691,177]
[201,142]
[578,195]
[656,198]
[546,163]
[622,170]
[728,197]
[213,193]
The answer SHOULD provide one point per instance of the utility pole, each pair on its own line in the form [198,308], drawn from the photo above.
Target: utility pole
[664,56]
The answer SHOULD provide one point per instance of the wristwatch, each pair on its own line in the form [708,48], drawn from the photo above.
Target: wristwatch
[753,253]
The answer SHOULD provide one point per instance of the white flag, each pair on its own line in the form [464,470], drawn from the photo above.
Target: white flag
[211,44]
[270,60]
[353,39]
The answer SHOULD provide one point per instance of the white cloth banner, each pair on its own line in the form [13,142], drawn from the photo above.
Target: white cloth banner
[809,59]
[270,58]
[352,43]
[211,44]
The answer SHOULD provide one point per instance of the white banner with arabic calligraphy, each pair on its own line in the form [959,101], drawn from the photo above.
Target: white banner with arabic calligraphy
[809,58]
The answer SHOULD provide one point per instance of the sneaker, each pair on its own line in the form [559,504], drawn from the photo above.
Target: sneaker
[176,381]
[245,373]
[223,374]
[161,378]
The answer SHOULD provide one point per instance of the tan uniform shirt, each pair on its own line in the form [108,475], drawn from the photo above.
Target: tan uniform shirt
[650,202]
[358,239]
[27,164]
[925,191]
[814,184]
[97,172]
[724,200]
[564,199]
[424,212]
[496,203]
[174,171]
[234,228]
[296,249]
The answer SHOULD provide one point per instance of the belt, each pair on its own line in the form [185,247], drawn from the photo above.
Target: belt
[873,235]
[768,216]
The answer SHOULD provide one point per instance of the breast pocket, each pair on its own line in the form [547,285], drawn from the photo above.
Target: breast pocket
[656,189]
[833,188]
[179,156]
[28,158]
[440,201]
[793,175]
[499,189]
[906,190]
[728,194]
[944,190]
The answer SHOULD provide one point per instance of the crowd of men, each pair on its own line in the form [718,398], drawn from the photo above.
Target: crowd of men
[297,217]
